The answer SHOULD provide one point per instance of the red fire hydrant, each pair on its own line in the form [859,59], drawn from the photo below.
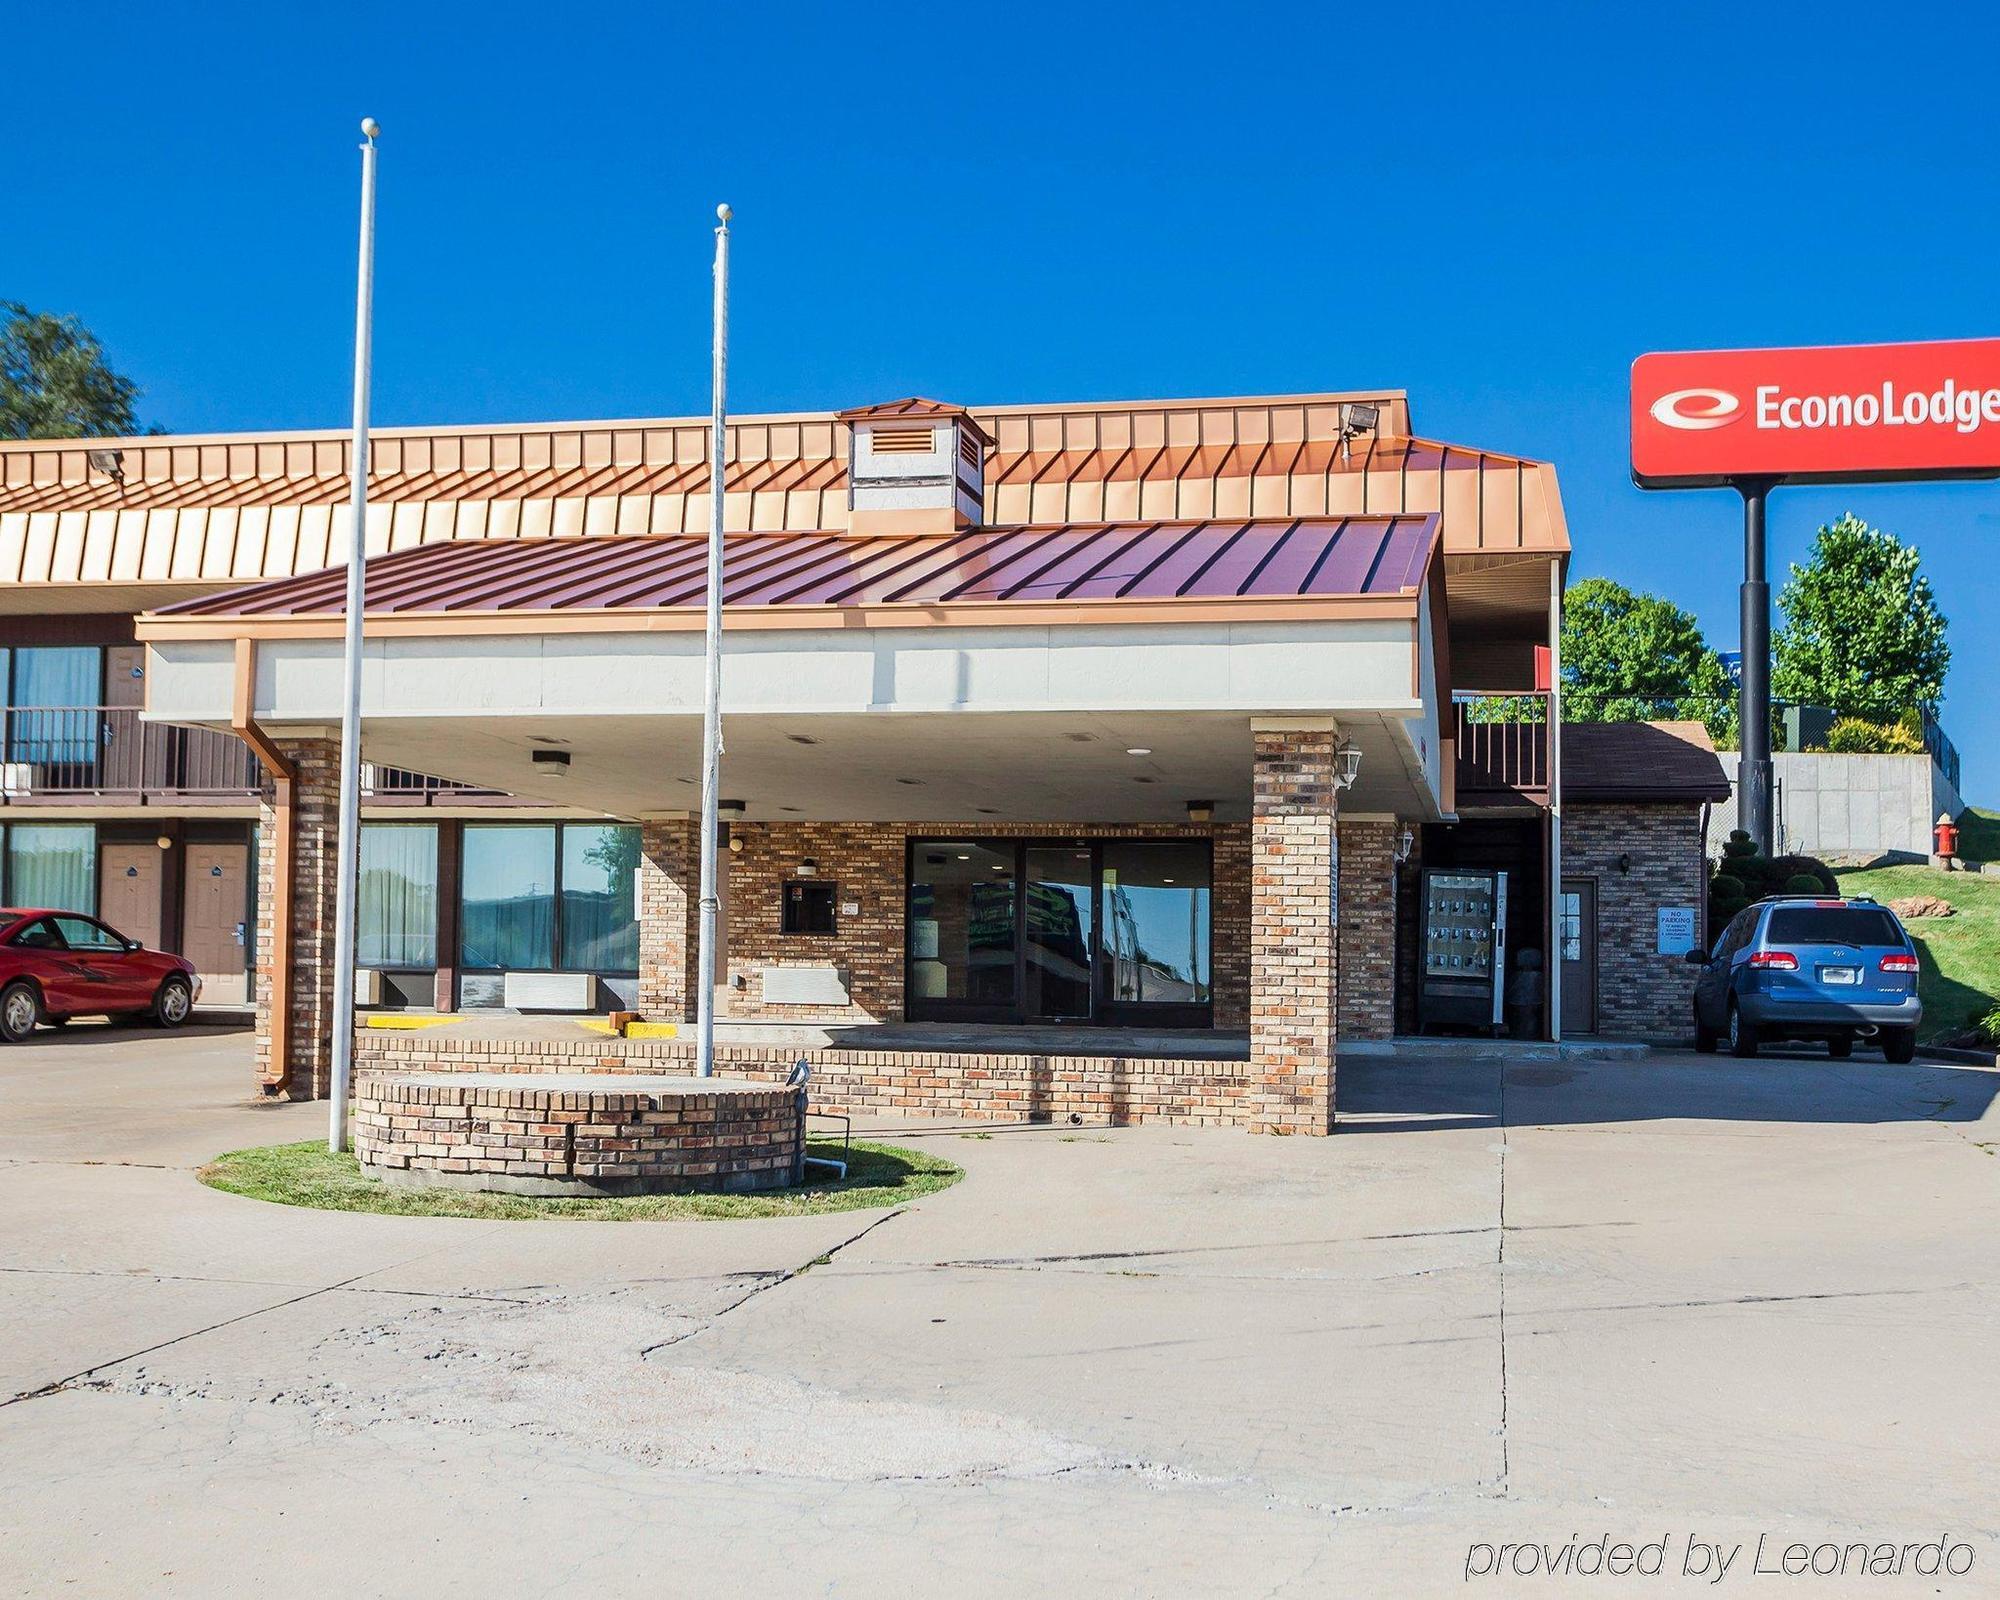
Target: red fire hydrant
[1944,838]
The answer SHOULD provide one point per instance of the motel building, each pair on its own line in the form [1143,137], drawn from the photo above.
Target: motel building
[1119,761]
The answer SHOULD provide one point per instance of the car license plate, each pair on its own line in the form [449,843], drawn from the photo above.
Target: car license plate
[1839,974]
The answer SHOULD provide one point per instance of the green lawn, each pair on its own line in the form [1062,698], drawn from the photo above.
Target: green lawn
[310,1175]
[1960,976]
[1979,834]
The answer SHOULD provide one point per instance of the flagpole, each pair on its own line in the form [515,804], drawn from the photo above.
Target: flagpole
[711,714]
[348,849]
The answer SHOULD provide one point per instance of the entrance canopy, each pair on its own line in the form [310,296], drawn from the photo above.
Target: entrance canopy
[1107,672]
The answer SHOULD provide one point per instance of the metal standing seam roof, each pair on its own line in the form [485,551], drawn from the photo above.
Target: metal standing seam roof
[1275,559]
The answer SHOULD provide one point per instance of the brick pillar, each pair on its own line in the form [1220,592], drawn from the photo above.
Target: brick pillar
[1294,863]
[1367,928]
[669,918]
[307,1064]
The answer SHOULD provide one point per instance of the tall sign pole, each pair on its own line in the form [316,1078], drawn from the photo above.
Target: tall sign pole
[1755,810]
[348,850]
[711,711]
[1750,420]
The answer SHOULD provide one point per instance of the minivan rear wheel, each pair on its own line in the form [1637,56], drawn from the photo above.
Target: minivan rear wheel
[1840,1049]
[1742,1035]
[1899,1045]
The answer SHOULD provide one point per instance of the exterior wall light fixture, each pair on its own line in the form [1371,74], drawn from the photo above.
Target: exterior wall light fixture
[1347,764]
[808,867]
[1405,845]
[1201,811]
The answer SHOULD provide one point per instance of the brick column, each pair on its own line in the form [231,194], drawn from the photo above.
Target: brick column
[306,1068]
[1367,928]
[1294,863]
[669,918]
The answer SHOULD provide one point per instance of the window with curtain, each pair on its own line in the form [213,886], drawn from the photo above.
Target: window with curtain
[54,693]
[52,864]
[508,890]
[397,920]
[600,923]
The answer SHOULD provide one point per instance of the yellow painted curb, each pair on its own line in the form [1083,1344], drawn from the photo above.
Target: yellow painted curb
[633,1030]
[404,1023]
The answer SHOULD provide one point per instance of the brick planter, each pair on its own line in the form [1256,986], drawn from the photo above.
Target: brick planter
[573,1134]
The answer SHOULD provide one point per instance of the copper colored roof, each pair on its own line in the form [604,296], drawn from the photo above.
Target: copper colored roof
[1639,762]
[209,511]
[1305,558]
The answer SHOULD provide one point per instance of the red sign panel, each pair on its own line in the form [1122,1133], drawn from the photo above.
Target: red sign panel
[1830,414]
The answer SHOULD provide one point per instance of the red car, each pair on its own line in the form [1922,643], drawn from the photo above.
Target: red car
[55,965]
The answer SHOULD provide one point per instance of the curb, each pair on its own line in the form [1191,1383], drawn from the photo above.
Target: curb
[1970,1058]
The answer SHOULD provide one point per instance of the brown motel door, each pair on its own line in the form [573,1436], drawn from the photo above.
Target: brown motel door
[217,902]
[1576,936]
[128,891]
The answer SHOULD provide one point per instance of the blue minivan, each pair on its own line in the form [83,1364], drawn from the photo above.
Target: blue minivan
[1797,968]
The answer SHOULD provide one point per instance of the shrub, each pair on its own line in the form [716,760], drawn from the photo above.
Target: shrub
[1855,736]
[1726,886]
[1802,883]
[1988,1026]
[1787,870]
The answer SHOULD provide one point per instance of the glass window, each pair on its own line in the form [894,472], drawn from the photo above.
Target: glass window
[38,935]
[1855,925]
[397,921]
[600,920]
[962,922]
[1156,915]
[808,907]
[80,933]
[55,690]
[52,864]
[509,896]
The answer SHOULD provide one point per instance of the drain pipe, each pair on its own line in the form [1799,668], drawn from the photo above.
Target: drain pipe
[277,1074]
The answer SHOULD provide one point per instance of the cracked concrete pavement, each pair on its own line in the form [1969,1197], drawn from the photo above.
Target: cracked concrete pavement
[1675,1297]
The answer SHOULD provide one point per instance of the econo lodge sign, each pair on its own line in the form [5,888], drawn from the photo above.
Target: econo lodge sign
[1833,413]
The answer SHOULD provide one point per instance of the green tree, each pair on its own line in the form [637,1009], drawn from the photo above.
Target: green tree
[1627,657]
[1862,632]
[55,382]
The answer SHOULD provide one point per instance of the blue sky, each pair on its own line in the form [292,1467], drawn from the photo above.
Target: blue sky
[1495,208]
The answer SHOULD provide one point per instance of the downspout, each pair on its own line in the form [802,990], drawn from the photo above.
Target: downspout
[1552,968]
[284,771]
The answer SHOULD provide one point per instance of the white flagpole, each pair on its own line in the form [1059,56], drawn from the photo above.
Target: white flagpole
[348,851]
[711,714]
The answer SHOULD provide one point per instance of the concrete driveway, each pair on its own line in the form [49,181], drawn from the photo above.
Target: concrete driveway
[1681,1299]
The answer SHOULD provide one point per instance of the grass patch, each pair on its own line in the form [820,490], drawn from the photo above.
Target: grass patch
[310,1175]
[1979,834]
[1959,975]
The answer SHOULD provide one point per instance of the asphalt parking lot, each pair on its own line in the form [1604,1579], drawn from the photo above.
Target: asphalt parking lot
[1680,1299]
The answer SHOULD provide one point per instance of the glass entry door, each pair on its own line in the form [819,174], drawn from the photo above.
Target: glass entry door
[1061,933]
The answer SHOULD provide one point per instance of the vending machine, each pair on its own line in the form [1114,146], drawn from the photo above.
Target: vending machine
[1465,949]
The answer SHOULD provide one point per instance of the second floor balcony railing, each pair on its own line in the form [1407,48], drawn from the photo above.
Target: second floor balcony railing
[61,753]
[1503,747]
[53,752]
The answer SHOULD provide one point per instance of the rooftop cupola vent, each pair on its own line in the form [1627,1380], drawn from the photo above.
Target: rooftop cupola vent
[915,466]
